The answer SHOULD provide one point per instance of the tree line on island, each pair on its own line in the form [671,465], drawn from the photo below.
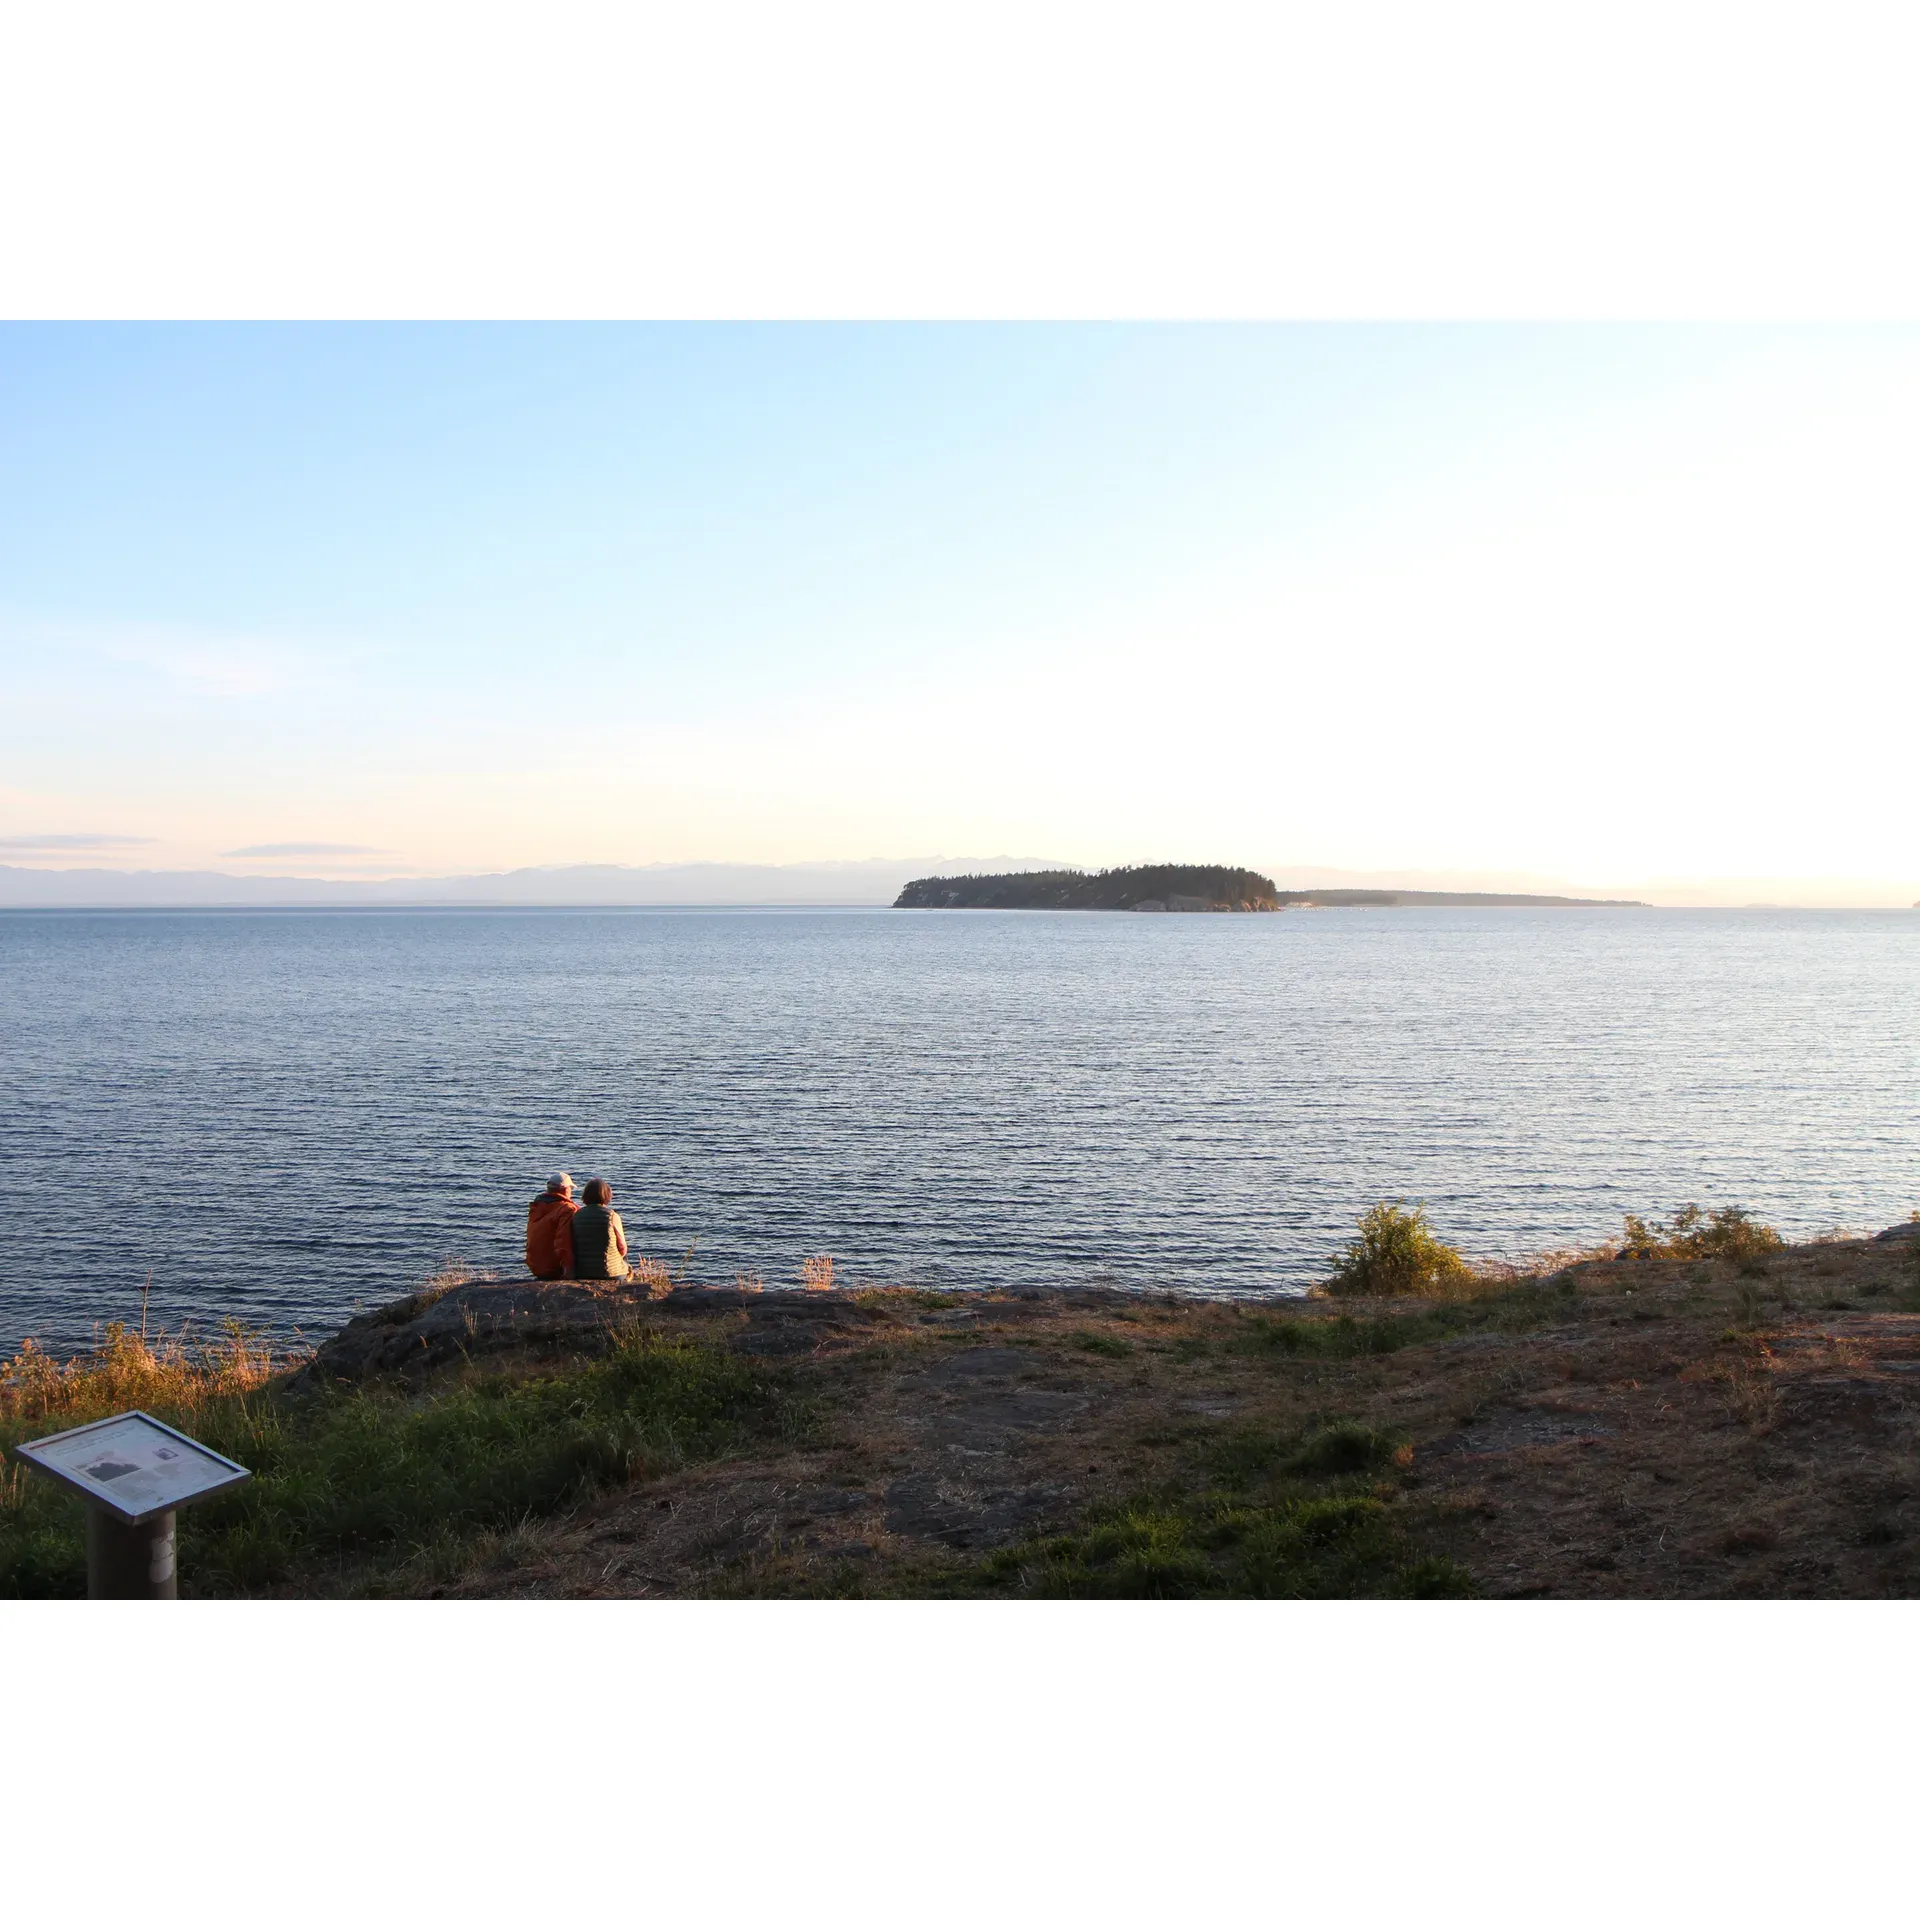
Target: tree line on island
[1185,889]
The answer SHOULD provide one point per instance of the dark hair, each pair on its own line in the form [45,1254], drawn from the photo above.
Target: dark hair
[598,1193]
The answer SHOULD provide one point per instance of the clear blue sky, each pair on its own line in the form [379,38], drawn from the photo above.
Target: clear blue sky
[1428,597]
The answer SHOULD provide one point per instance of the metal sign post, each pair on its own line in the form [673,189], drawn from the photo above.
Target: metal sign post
[135,1473]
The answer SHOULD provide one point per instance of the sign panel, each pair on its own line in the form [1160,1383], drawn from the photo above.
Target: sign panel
[133,1464]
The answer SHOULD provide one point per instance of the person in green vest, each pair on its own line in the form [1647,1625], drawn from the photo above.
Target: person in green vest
[598,1237]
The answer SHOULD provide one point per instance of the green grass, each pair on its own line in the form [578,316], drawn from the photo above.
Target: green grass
[1238,1461]
[1326,1546]
[1481,1306]
[1339,1338]
[1263,1515]
[1906,1294]
[360,1486]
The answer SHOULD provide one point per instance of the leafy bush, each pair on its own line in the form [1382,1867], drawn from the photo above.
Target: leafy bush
[1395,1252]
[1727,1233]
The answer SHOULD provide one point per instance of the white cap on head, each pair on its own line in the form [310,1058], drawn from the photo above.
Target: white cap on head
[559,1182]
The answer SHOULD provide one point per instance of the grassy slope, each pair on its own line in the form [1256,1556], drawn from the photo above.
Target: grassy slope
[376,1490]
[1675,1427]
[1260,1513]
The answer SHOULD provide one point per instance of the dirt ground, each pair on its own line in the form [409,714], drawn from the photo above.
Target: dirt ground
[1621,1429]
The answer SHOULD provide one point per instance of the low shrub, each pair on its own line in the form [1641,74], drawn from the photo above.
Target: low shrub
[1726,1233]
[1395,1252]
[1348,1446]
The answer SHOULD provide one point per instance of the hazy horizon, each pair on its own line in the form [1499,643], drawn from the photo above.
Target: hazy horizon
[1602,609]
[869,881]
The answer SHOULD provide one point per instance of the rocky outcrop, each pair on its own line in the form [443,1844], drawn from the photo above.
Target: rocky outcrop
[486,1318]
[425,1332]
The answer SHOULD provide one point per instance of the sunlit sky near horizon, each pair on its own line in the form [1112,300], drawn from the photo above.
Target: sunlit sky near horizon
[1610,606]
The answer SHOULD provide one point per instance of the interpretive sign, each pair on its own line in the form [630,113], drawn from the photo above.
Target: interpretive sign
[133,1465]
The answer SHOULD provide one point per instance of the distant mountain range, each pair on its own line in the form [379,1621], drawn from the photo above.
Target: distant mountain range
[825,883]
[1417,897]
[831,883]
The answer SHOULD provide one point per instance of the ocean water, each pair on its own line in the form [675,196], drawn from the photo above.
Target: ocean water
[283,1116]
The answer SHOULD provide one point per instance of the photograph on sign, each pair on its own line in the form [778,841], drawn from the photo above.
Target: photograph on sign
[134,1464]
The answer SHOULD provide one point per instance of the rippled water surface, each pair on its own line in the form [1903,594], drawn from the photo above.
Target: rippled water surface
[280,1115]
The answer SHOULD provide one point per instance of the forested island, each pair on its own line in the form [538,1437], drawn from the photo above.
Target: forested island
[1188,890]
[1113,889]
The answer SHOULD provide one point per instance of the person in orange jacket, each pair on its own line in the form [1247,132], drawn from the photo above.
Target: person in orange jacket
[549,1229]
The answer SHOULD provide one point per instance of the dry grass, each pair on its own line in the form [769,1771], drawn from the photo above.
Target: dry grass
[456,1272]
[1750,1390]
[816,1273]
[654,1275]
[123,1370]
[1538,1266]
[175,1379]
